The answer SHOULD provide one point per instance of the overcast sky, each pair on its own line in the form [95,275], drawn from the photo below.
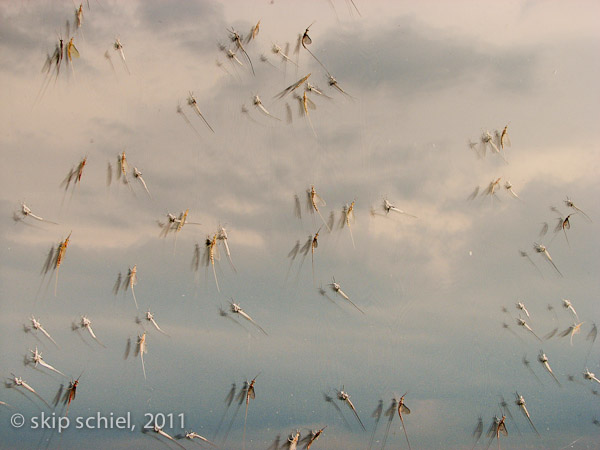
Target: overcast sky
[423,79]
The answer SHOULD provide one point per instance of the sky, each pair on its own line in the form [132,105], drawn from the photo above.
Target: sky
[421,80]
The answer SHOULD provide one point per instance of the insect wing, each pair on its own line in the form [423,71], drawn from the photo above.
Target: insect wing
[404,409]
[502,429]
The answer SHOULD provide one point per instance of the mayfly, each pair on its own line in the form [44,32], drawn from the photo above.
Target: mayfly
[313,246]
[571,205]
[539,248]
[235,308]
[253,32]
[72,52]
[138,176]
[158,430]
[306,40]
[390,413]
[87,324]
[590,376]
[377,416]
[140,349]
[344,397]
[311,88]
[70,393]
[335,286]
[38,326]
[276,49]
[567,305]
[292,441]
[348,219]
[222,236]
[334,83]
[236,38]
[250,394]
[403,409]
[26,212]
[122,167]
[258,103]
[306,104]
[487,139]
[210,255]
[130,281]
[491,189]
[313,202]
[520,402]
[194,105]
[330,399]
[19,382]
[36,359]
[497,427]
[524,324]
[293,87]
[521,307]
[504,139]
[509,187]
[60,254]
[191,435]
[313,436]
[572,330]
[119,47]
[387,207]
[150,318]
[542,358]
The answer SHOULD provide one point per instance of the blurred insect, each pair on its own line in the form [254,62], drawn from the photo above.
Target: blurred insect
[473,194]
[390,413]
[477,432]
[38,326]
[194,105]
[183,115]
[403,409]
[36,359]
[313,201]
[79,15]
[376,414]
[87,324]
[592,338]
[539,248]
[130,282]
[344,397]
[543,359]
[235,308]
[524,254]
[140,349]
[571,205]
[138,176]
[150,318]
[258,103]
[119,48]
[485,141]
[338,290]
[109,59]
[19,382]
[572,330]
[520,401]
[527,364]
[228,400]
[504,139]
[491,189]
